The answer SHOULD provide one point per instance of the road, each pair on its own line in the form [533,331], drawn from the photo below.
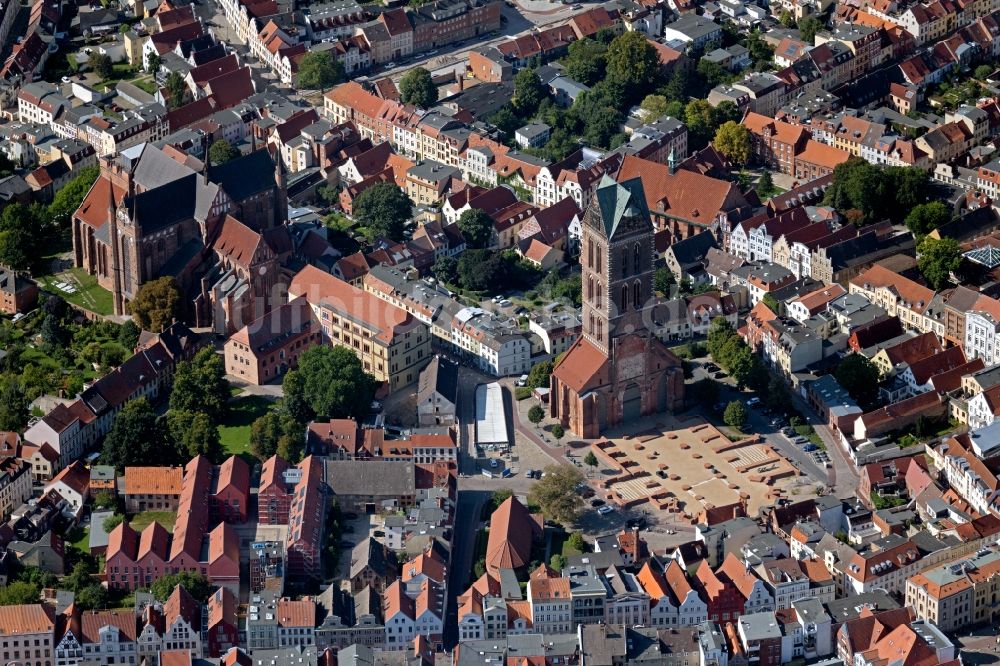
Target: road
[469,507]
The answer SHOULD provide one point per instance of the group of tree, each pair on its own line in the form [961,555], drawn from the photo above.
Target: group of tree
[329,383]
[732,139]
[157,304]
[476,227]
[177,92]
[731,352]
[417,88]
[101,64]
[221,151]
[859,377]
[139,436]
[865,193]
[557,493]
[938,260]
[735,414]
[27,231]
[486,271]
[382,211]
[319,70]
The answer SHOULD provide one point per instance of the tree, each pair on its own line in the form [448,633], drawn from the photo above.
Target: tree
[498,497]
[92,597]
[938,259]
[808,27]
[712,72]
[383,210]
[319,70]
[481,270]
[153,62]
[18,592]
[221,151]
[23,233]
[69,197]
[700,118]
[13,405]
[157,304]
[576,541]
[53,332]
[194,434]
[586,61]
[136,437]
[417,88]
[178,93]
[634,62]
[265,432]
[506,121]
[200,385]
[105,500]
[536,414]
[772,303]
[112,521]
[590,460]
[765,186]
[983,71]
[733,140]
[476,227]
[557,495]
[195,584]
[128,334]
[663,280]
[719,333]
[557,562]
[445,269]
[653,107]
[859,377]
[539,375]
[735,415]
[528,93]
[786,19]
[558,431]
[294,403]
[101,64]
[925,218]
[335,383]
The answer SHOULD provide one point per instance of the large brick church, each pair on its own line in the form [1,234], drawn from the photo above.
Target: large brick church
[617,370]
[218,229]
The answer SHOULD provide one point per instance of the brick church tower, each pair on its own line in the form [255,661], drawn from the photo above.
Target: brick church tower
[617,370]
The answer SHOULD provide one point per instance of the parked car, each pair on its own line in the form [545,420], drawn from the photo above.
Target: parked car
[810,447]
[711,367]
[753,402]
[521,381]
[494,462]
[605,510]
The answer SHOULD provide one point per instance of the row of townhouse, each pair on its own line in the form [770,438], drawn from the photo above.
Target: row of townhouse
[71,430]
[497,347]
[200,541]
[41,103]
[40,635]
[435,136]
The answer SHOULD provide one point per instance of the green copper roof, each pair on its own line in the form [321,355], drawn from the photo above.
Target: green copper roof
[620,200]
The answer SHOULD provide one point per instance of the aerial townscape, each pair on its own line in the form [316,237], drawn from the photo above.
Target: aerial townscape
[499,332]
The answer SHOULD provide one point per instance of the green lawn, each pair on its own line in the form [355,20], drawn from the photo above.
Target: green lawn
[88,294]
[164,518]
[234,431]
[79,538]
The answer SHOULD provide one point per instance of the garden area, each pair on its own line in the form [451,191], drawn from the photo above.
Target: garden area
[79,288]
[235,425]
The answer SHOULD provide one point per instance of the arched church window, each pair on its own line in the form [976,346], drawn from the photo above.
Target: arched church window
[624,303]
[636,294]
[637,260]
